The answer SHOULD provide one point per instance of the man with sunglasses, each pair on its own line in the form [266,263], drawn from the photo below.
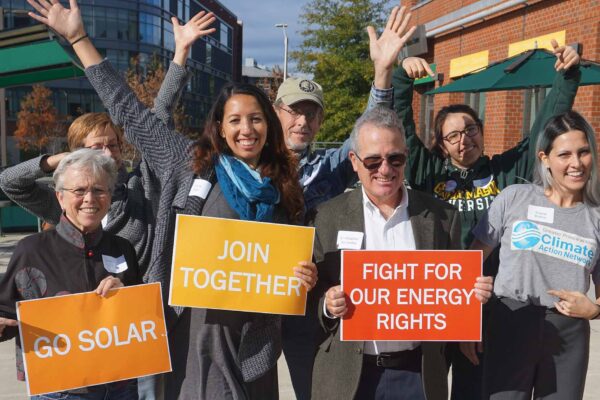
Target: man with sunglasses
[325,174]
[381,215]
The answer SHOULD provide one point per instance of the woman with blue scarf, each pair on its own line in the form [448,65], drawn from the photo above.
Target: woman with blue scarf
[239,169]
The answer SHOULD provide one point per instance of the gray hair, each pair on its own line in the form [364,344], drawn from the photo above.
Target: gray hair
[558,125]
[93,161]
[379,117]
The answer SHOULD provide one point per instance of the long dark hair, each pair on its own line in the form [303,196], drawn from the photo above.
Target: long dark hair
[440,118]
[556,126]
[276,161]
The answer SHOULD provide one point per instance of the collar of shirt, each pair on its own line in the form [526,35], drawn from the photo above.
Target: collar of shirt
[400,213]
[309,157]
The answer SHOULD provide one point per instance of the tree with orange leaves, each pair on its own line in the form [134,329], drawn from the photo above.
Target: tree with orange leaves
[37,121]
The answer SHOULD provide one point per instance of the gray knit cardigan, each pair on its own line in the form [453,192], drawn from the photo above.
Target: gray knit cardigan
[168,156]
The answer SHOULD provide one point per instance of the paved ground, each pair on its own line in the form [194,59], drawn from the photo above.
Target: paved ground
[14,390]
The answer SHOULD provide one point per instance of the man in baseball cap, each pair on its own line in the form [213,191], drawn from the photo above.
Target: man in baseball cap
[325,174]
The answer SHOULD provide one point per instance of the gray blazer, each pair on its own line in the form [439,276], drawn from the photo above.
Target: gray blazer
[338,365]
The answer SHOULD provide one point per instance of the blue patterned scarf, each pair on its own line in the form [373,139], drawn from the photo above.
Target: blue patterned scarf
[251,196]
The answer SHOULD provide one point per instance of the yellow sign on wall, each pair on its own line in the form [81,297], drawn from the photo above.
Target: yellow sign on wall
[239,265]
[540,42]
[463,65]
[93,340]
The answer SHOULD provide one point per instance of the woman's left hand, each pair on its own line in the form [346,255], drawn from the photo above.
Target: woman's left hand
[484,287]
[108,283]
[66,21]
[307,273]
[574,304]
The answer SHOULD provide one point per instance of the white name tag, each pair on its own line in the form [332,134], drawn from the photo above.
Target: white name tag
[200,188]
[349,240]
[114,265]
[540,214]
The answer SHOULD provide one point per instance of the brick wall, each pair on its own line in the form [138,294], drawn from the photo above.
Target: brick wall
[504,110]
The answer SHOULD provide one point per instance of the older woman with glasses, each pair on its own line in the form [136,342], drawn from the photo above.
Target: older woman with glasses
[69,259]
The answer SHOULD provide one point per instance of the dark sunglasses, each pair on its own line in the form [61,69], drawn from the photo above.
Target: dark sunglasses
[373,163]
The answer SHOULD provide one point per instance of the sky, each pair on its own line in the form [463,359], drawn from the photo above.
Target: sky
[262,41]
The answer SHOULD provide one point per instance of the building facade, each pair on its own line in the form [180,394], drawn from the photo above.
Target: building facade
[464,35]
[122,29]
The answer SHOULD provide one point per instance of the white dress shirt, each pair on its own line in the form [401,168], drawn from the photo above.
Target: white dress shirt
[394,233]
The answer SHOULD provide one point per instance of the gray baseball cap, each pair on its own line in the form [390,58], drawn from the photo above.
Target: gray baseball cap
[294,90]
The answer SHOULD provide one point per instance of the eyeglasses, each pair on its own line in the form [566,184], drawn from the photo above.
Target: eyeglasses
[454,136]
[310,115]
[112,147]
[81,192]
[373,163]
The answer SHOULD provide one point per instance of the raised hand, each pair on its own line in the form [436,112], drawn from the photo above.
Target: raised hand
[566,56]
[198,26]
[67,22]
[385,49]
[186,35]
[416,67]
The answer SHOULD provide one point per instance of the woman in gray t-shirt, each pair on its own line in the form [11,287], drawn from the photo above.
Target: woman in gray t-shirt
[549,232]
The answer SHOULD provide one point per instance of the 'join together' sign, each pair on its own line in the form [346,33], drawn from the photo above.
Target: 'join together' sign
[239,265]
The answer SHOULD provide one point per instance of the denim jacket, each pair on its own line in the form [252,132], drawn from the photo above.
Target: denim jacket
[325,174]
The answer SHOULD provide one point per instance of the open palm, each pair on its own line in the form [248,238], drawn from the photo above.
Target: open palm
[65,21]
[198,26]
[385,49]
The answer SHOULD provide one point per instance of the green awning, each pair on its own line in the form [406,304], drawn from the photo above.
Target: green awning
[36,62]
[533,68]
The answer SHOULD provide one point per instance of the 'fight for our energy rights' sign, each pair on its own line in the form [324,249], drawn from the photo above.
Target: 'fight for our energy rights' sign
[239,265]
[411,295]
[84,339]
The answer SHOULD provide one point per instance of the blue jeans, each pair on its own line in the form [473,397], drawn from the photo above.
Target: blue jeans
[126,390]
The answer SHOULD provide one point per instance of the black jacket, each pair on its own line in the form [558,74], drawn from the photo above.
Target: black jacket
[57,262]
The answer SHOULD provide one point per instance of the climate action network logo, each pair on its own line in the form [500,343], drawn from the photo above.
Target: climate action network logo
[525,235]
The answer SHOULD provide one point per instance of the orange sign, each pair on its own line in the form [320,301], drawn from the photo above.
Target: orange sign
[239,265]
[411,295]
[84,339]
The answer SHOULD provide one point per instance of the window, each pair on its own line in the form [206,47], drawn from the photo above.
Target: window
[119,58]
[208,59]
[426,117]
[169,36]
[150,29]
[532,105]
[100,22]
[477,102]
[224,35]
